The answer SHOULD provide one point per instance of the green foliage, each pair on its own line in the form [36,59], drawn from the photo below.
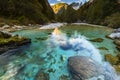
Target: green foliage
[113,20]
[98,10]
[38,11]
[69,15]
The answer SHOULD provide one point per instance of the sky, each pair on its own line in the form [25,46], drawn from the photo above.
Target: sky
[66,1]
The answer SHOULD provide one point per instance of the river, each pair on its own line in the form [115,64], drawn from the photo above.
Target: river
[44,53]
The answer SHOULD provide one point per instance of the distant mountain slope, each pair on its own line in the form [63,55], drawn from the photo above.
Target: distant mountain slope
[58,8]
[76,5]
[36,11]
[98,11]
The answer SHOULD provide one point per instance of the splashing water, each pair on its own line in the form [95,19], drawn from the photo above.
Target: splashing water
[51,56]
[79,44]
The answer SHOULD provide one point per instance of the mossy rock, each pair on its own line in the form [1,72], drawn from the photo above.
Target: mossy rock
[118,47]
[117,68]
[51,70]
[102,48]
[112,59]
[8,42]
[42,76]
[118,56]
[117,42]
[64,77]
[107,36]
[5,35]
[97,40]
[42,38]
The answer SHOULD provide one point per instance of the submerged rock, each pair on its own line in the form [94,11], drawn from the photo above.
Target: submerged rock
[117,42]
[102,48]
[64,77]
[42,76]
[82,68]
[97,40]
[112,59]
[118,47]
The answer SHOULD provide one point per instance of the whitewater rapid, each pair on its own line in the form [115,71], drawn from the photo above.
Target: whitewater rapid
[82,47]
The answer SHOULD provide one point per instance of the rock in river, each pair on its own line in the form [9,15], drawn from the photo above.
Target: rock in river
[82,68]
[97,40]
[42,76]
[117,42]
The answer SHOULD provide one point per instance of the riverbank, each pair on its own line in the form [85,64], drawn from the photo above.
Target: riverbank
[8,41]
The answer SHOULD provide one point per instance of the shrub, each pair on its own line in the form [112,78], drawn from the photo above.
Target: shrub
[113,20]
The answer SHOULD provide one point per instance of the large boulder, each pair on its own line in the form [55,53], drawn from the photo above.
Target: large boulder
[82,68]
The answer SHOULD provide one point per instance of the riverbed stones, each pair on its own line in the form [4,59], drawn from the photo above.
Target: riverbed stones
[97,40]
[117,42]
[82,68]
[64,77]
[102,48]
[112,59]
[42,76]
[9,42]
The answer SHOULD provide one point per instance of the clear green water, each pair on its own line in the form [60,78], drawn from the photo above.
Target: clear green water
[53,61]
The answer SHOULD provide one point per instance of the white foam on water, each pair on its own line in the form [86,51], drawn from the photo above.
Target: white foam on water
[83,47]
[77,43]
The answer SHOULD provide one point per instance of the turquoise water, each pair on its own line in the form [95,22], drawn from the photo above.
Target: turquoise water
[42,55]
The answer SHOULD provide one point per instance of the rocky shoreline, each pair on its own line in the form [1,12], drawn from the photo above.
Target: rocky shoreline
[114,60]
[12,28]
[8,42]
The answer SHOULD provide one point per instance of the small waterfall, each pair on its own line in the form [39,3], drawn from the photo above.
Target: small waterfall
[82,47]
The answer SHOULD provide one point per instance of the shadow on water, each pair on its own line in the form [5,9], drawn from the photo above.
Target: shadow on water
[8,56]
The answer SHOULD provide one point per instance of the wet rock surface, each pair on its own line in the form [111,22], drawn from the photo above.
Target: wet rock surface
[117,43]
[115,34]
[64,77]
[8,42]
[102,48]
[114,61]
[97,40]
[82,68]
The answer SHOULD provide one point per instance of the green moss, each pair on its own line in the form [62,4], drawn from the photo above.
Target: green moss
[12,40]
[113,60]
